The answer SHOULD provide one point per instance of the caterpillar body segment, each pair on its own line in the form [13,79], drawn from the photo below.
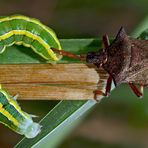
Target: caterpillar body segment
[22,30]
[13,117]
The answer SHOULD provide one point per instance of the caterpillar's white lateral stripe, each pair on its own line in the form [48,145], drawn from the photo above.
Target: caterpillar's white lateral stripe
[7,114]
[49,30]
[31,35]
[13,103]
[16,119]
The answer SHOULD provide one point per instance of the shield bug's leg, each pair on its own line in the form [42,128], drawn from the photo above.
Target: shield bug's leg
[108,86]
[105,40]
[96,93]
[135,90]
[106,43]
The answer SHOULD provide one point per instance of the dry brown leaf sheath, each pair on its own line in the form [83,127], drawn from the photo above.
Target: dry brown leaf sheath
[52,82]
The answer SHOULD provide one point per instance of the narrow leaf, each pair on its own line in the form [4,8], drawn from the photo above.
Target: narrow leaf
[66,114]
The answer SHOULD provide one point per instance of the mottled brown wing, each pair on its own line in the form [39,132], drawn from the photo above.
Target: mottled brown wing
[137,70]
[138,73]
[139,51]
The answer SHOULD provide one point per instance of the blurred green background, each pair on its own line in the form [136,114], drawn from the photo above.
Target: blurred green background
[120,120]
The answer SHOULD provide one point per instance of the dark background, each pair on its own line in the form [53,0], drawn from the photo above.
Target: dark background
[83,18]
[118,121]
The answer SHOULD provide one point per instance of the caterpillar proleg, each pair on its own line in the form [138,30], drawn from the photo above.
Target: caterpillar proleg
[30,32]
[12,116]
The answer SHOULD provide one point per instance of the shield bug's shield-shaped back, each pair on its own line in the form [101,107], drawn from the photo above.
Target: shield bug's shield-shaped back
[125,59]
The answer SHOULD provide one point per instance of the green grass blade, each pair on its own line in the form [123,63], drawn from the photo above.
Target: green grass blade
[56,122]
[66,114]
[140,28]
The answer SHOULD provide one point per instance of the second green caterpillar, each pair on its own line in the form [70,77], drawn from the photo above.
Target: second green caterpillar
[12,116]
[22,30]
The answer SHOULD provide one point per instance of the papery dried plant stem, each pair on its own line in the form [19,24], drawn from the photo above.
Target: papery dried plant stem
[52,82]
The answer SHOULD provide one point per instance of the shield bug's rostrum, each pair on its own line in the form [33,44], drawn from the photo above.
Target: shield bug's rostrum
[125,59]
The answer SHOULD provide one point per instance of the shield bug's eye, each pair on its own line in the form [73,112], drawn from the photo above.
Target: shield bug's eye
[98,58]
[90,57]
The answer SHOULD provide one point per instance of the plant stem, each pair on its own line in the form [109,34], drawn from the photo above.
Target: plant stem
[52,82]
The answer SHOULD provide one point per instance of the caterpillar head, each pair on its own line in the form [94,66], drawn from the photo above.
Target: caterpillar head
[32,130]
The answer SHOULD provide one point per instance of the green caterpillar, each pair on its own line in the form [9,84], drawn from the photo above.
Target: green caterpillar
[22,30]
[12,116]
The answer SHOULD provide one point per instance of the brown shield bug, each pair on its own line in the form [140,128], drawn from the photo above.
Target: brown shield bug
[125,59]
